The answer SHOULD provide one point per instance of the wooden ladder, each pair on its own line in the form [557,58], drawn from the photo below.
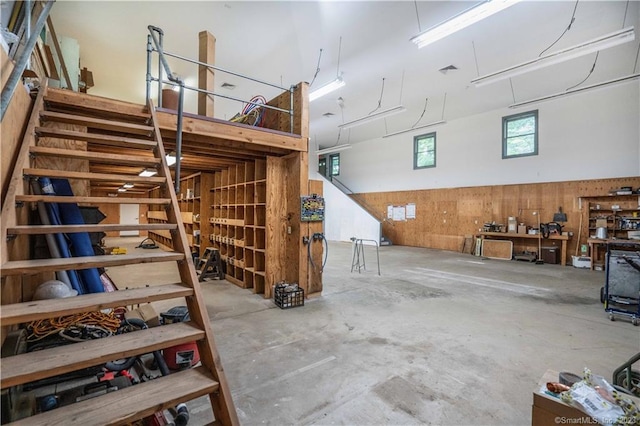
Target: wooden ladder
[133,130]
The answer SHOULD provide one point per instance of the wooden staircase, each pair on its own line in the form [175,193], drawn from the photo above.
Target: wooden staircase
[129,128]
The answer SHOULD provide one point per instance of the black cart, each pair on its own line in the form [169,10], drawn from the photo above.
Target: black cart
[621,294]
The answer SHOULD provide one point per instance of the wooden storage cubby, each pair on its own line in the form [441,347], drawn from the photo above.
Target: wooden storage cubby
[238,222]
[194,200]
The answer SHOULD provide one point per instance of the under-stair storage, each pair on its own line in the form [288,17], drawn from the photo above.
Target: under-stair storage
[75,138]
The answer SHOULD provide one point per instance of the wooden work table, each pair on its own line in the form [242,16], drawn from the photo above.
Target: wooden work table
[598,248]
[513,236]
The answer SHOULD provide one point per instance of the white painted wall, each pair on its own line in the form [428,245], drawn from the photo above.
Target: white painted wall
[344,218]
[586,136]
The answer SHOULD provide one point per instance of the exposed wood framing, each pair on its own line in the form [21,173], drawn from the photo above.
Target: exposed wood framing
[206,76]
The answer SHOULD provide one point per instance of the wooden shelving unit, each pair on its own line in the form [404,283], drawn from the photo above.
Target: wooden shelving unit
[194,199]
[238,220]
[620,214]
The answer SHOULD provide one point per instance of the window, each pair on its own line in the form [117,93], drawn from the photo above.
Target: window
[334,161]
[520,135]
[424,151]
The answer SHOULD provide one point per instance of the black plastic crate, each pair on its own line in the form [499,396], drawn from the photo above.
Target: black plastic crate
[288,296]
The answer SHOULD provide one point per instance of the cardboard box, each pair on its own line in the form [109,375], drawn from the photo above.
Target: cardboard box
[522,229]
[146,313]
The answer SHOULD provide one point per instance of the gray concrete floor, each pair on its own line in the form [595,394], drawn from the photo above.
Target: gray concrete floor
[438,338]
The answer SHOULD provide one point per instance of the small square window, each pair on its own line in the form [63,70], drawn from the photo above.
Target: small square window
[520,135]
[424,151]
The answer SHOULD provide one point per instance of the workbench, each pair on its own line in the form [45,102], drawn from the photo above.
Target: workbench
[598,250]
[513,236]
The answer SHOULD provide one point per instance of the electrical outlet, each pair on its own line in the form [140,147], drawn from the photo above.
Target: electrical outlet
[289,230]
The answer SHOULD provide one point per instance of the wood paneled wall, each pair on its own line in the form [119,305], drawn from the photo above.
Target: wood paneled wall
[445,216]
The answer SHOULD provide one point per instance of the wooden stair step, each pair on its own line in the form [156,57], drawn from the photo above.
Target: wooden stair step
[95,177]
[96,123]
[37,365]
[95,157]
[70,229]
[95,138]
[35,266]
[132,403]
[19,313]
[95,105]
[91,200]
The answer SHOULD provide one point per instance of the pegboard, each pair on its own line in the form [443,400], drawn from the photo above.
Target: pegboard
[311,208]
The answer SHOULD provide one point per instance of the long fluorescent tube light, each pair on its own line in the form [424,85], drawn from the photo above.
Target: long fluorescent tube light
[600,43]
[327,88]
[581,89]
[372,117]
[333,149]
[435,123]
[148,173]
[461,21]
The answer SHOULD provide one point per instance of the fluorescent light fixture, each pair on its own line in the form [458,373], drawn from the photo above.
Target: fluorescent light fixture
[327,88]
[128,185]
[148,173]
[374,116]
[579,90]
[122,190]
[171,158]
[591,46]
[342,147]
[435,123]
[462,20]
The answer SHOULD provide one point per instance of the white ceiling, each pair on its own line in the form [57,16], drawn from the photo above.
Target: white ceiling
[280,42]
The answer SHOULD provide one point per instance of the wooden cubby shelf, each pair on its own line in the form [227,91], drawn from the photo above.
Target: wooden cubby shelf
[238,222]
[194,206]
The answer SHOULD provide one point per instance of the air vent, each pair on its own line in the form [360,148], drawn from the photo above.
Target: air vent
[448,68]
[228,86]
[328,114]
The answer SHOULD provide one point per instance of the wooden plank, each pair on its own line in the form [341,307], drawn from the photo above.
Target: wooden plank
[56,46]
[18,313]
[497,249]
[226,131]
[95,157]
[39,365]
[157,214]
[118,141]
[97,105]
[89,200]
[95,177]
[24,267]
[70,229]
[206,76]
[222,403]
[96,123]
[132,403]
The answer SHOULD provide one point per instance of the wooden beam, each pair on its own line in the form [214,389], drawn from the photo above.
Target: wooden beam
[206,76]
[227,131]
[56,46]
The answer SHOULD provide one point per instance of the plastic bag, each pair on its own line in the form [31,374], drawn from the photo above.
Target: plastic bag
[602,401]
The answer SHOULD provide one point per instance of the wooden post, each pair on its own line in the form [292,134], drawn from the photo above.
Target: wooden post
[206,54]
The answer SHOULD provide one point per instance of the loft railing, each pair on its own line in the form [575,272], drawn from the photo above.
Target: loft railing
[155,44]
